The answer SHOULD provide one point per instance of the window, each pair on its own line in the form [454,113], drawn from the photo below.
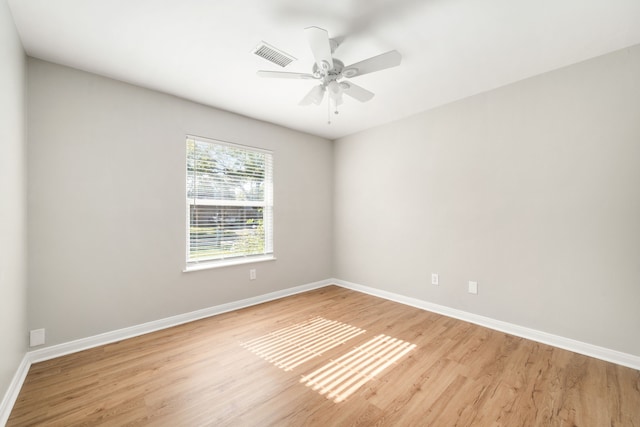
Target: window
[229,202]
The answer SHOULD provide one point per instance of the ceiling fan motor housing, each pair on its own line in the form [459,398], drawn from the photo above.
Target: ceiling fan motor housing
[329,75]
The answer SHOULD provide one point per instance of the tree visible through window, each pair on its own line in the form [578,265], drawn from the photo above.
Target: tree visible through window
[229,201]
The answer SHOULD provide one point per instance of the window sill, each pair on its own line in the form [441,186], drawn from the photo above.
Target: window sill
[228,262]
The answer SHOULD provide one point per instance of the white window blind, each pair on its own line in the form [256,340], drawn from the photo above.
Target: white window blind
[229,201]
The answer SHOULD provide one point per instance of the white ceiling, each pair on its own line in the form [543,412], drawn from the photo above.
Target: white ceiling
[202,50]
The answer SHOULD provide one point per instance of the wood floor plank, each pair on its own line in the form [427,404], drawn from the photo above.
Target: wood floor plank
[202,374]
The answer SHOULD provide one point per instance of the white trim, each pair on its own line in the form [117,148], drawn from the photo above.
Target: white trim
[156,325]
[613,356]
[40,355]
[227,262]
[47,353]
[11,395]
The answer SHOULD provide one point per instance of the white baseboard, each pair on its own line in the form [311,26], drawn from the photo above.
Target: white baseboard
[12,392]
[156,325]
[118,335]
[587,349]
[47,353]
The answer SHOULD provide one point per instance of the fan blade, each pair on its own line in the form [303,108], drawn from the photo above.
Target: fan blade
[320,46]
[376,63]
[315,96]
[284,75]
[357,92]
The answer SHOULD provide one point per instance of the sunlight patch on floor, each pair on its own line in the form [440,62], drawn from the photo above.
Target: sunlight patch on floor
[294,345]
[341,377]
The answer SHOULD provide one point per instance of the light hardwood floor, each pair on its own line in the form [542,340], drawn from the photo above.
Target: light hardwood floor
[287,363]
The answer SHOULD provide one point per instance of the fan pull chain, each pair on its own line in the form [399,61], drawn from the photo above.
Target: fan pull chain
[328,110]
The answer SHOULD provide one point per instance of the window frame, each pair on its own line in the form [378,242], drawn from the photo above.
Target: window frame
[268,214]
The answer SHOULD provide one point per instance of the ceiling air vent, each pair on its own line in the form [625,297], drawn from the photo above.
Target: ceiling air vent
[271,54]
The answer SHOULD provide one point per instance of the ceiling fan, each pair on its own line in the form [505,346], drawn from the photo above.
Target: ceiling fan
[330,71]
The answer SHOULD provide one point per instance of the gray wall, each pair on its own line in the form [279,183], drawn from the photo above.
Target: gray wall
[106,205]
[532,189]
[13,285]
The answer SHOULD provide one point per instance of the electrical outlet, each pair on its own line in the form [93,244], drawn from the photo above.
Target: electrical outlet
[473,287]
[36,337]
[434,278]
[252,274]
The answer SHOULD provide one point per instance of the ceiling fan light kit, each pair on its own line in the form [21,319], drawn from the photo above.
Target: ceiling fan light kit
[314,96]
[329,71]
